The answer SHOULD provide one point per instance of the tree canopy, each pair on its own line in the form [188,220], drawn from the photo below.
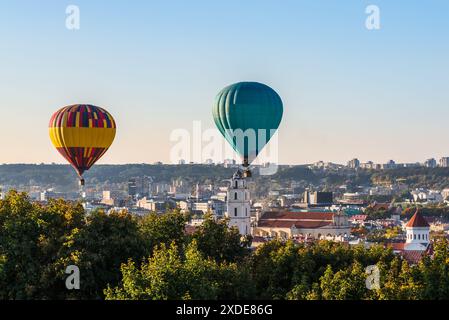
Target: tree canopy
[125,257]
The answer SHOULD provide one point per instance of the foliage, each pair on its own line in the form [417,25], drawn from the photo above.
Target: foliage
[170,275]
[345,284]
[434,178]
[31,242]
[124,257]
[217,241]
[156,229]
[392,233]
[377,214]
[100,247]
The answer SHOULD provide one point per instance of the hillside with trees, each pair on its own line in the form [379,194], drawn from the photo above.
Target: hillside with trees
[64,178]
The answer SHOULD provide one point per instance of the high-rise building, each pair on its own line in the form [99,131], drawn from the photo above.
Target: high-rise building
[368,165]
[143,186]
[132,188]
[140,187]
[354,163]
[444,162]
[238,204]
[318,198]
[389,165]
[430,163]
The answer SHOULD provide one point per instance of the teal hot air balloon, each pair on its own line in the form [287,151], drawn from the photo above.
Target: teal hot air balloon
[243,106]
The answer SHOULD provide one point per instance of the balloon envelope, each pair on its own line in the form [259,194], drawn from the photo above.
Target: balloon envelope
[82,134]
[248,105]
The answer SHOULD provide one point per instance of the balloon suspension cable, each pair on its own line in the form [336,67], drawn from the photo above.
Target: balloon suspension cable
[82,183]
[247,173]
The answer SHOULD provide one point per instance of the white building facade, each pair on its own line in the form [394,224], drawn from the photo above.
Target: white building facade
[238,208]
[418,233]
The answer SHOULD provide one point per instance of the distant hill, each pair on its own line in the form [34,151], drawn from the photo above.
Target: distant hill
[63,176]
[436,178]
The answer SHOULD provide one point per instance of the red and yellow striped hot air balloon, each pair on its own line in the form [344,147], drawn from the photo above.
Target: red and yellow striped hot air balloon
[82,134]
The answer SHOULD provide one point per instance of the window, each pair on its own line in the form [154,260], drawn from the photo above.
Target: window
[235,212]
[414,236]
[419,237]
[236,184]
[246,212]
[235,196]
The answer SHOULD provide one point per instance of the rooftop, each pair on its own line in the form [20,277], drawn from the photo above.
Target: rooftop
[417,221]
[289,219]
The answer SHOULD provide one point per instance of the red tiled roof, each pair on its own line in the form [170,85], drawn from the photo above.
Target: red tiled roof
[298,219]
[417,221]
[380,206]
[413,256]
[289,224]
[397,246]
[289,215]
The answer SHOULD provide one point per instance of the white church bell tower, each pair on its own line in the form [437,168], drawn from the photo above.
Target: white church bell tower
[238,204]
[418,233]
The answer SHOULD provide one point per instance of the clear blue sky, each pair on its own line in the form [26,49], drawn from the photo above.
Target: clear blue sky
[157,66]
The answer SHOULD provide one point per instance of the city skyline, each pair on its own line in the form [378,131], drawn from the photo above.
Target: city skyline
[346,89]
[224,161]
